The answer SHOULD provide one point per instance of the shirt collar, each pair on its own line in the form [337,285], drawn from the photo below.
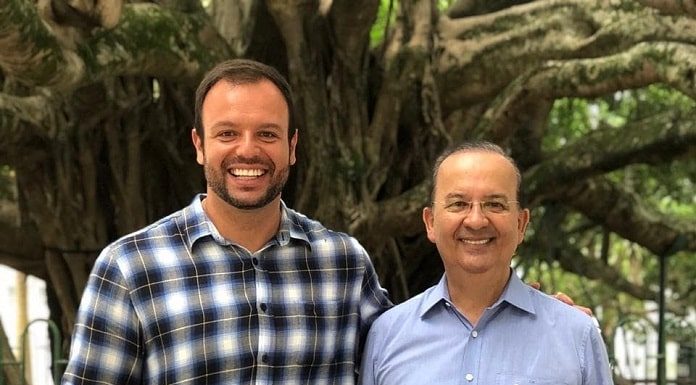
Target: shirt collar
[197,224]
[290,226]
[516,293]
[434,296]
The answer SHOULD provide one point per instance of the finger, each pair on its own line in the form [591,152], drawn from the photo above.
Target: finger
[564,298]
[584,309]
[535,284]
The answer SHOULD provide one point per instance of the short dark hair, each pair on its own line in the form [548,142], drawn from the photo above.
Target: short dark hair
[242,71]
[474,146]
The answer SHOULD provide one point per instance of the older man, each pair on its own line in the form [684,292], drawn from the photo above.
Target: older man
[480,324]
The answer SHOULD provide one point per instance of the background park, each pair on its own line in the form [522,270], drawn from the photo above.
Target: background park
[596,99]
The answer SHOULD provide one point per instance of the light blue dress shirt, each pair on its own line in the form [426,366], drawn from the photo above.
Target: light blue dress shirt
[526,337]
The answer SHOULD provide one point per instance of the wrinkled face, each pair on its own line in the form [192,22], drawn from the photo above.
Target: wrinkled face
[246,153]
[475,242]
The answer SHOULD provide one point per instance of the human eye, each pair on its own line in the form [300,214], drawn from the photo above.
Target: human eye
[226,134]
[458,205]
[268,135]
[496,206]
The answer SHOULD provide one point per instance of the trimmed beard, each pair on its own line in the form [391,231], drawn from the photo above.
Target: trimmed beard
[216,181]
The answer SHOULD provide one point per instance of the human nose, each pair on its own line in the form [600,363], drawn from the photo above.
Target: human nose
[476,217]
[247,145]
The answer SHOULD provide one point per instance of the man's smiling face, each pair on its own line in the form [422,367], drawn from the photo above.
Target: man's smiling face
[246,152]
[475,242]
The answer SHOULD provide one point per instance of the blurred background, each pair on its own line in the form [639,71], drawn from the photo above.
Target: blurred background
[596,100]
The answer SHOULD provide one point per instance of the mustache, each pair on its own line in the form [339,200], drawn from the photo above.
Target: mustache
[246,160]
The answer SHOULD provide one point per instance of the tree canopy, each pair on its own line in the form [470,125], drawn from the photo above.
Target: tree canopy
[594,98]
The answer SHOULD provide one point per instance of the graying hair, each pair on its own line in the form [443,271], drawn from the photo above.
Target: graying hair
[474,146]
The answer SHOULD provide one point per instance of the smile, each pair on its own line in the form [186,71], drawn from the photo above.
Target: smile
[477,241]
[247,173]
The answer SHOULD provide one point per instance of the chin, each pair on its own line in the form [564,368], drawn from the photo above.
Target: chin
[471,268]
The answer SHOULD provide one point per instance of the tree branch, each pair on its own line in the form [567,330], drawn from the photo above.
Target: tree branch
[672,7]
[30,109]
[465,8]
[395,217]
[351,22]
[29,51]
[640,66]
[150,41]
[624,213]
[574,261]
[481,55]
[235,20]
[407,57]
[21,249]
[608,149]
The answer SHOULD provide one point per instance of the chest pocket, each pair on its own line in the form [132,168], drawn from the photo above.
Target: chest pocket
[513,379]
[313,333]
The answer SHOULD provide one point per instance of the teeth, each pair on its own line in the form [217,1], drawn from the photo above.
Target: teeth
[474,242]
[247,172]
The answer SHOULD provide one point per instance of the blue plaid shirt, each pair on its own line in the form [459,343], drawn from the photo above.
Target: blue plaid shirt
[175,303]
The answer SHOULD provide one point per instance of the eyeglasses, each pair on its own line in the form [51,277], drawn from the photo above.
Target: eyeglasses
[492,206]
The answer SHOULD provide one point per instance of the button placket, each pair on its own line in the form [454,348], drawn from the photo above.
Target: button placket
[266,332]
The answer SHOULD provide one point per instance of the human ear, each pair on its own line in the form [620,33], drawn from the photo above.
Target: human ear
[198,145]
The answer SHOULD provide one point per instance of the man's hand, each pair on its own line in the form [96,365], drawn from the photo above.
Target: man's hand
[565,299]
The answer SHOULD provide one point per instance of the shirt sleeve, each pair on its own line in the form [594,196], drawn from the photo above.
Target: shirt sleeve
[597,370]
[374,299]
[106,347]
[367,367]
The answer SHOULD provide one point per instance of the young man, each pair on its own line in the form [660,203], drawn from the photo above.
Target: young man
[481,324]
[236,288]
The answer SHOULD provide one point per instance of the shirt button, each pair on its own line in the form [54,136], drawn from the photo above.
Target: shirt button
[264,358]
[263,307]
[255,261]
[474,334]
[469,377]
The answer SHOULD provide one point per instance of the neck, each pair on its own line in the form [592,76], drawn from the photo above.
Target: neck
[251,229]
[471,293]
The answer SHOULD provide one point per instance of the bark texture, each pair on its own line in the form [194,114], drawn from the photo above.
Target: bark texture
[96,105]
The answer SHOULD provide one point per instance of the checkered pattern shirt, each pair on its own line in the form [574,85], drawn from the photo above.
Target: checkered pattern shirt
[175,303]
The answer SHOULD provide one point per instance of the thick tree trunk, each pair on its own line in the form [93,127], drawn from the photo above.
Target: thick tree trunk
[96,109]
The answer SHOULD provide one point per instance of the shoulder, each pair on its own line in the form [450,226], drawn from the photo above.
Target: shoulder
[321,237]
[163,233]
[554,312]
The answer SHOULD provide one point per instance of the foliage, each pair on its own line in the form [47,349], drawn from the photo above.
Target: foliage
[667,187]
[594,99]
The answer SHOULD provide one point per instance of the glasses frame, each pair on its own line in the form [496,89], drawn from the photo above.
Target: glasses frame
[481,206]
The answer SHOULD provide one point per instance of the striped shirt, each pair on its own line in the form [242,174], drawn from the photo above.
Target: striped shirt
[176,303]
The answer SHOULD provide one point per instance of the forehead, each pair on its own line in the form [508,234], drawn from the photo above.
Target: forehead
[225,90]
[237,102]
[476,173]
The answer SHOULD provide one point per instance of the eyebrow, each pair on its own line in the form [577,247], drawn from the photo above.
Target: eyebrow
[463,196]
[226,124]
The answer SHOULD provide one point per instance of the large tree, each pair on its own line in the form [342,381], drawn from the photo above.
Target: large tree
[96,110]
